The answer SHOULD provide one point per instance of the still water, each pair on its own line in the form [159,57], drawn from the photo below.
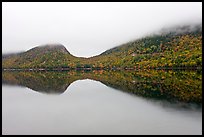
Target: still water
[101,102]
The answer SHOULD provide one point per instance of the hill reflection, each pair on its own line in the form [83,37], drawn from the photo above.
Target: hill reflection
[173,86]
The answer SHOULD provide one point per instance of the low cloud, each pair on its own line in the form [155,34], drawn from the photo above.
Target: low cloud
[88,29]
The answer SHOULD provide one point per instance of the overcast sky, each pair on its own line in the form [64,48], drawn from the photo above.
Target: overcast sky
[88,29]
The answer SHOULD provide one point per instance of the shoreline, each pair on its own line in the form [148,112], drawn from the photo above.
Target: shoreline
[90,69]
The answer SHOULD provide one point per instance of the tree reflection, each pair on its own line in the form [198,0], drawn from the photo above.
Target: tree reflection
[172,86]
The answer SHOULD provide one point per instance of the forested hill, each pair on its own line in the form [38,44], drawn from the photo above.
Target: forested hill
[178,47]
[163,37]
[45,56]
[175,47]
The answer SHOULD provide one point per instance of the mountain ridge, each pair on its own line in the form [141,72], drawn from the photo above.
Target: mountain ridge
[183,49]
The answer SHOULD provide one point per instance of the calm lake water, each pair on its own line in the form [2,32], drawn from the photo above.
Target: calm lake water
[101,102]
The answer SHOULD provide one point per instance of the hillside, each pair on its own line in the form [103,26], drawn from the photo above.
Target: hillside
[46,56]
[179,47]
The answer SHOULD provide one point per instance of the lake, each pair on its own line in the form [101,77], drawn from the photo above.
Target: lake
[154,102]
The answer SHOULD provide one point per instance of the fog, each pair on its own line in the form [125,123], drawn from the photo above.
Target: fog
[88,29]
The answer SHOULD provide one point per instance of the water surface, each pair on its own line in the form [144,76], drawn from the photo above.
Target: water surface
[101,102]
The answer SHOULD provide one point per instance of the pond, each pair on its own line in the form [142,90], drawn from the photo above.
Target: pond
[102,102]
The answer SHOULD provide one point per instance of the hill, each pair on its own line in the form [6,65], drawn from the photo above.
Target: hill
[178,47]
[46,56]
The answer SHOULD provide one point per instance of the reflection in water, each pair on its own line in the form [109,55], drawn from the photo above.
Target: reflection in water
[172,86]
[152,102]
